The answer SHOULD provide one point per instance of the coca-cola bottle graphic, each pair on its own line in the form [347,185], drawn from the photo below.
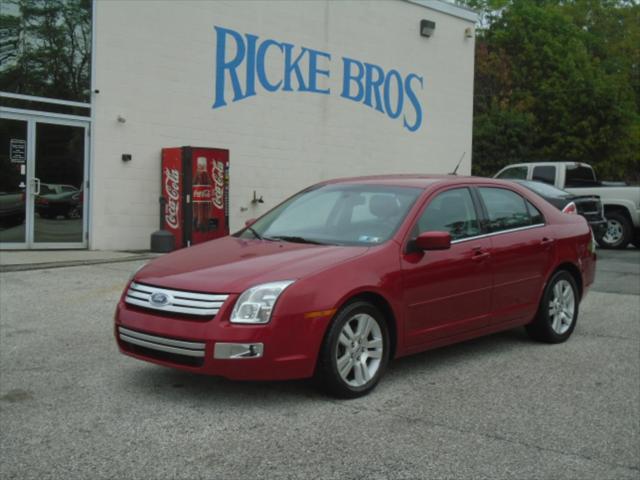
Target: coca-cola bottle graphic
[202,196]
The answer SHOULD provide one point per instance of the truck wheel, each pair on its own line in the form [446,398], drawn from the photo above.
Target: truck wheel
[618,233]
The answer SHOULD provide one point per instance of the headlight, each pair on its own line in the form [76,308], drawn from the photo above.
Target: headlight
[256,304]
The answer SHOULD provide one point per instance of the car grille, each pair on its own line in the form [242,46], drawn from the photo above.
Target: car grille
[174,301]
[162,348]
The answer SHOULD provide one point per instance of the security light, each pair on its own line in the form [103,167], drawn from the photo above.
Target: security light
[427,27]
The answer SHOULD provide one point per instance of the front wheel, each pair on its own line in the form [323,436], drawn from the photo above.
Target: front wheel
[558,310]
[355,351]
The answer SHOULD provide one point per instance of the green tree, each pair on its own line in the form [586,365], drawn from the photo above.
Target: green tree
[45,48]
[558,81]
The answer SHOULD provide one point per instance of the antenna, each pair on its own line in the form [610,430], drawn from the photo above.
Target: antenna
[458,165]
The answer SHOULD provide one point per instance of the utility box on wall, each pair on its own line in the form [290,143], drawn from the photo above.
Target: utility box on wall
[195,186]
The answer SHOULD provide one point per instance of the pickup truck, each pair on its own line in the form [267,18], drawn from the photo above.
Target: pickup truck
[621,202]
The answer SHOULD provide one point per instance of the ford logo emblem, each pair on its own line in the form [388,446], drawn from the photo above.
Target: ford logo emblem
[160,299]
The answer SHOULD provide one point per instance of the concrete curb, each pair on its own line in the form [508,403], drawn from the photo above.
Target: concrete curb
[72,263]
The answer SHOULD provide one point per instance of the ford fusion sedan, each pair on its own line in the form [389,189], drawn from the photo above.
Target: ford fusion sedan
[349,274]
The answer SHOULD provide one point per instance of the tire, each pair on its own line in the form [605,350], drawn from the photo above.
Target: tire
[636,241]
[558,311]
[364,365]
[619,232]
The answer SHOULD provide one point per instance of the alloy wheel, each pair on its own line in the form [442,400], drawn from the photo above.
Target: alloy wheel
[562,307]
[360,349]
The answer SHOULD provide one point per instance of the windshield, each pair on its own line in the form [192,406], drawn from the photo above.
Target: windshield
[337,214]
[545,190]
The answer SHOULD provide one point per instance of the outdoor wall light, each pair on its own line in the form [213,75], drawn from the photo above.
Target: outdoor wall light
[256,199]
[468,32]
[427,27]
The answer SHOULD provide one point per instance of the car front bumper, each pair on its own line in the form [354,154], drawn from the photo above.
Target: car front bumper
[286,348]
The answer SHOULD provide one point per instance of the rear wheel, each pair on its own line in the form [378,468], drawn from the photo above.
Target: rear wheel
[355,351]
[558,310]
[618,233]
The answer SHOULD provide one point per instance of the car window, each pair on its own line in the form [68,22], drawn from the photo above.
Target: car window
[298,217]
[506,209]
[451,211]
[545,190]
[342,214]
[546,174]
[578,176]
[519,173]
[536,215]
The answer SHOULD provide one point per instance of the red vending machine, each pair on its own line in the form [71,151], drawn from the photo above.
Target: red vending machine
[195,187]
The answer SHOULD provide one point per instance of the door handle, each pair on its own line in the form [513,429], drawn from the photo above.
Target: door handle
[480,255]
[547,242]
[36,186]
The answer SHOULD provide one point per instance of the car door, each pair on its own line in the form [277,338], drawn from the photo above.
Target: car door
[447,292]
[522,247]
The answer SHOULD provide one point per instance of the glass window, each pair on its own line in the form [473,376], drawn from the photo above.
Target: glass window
[536,215]
[545,190]
[506,209]
[519,173]
[451,211]
[343,214]
[45,48]
[579,175]
[546,174]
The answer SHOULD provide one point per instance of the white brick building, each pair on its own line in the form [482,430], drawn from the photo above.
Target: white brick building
[157,76]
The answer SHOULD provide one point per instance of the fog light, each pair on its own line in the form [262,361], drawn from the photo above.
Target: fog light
[238,350]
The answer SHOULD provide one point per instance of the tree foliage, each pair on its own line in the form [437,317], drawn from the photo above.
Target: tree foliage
[45,48]
[558,80]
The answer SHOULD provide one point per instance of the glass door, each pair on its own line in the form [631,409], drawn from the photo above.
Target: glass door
[58,185]
[13,182]
[43,179]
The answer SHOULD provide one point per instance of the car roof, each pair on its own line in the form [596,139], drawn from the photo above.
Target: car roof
[415,180]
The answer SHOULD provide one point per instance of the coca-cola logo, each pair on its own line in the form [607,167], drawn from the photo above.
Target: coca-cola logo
[202,193]
[172,194]
[218,184]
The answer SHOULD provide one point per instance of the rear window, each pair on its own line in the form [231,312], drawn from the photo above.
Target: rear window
[545,190]
[518,173]
[578,175]
[546,174]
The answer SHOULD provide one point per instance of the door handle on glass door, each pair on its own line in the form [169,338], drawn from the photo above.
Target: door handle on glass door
[36,186]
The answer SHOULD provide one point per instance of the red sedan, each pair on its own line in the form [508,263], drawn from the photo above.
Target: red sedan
[348,274]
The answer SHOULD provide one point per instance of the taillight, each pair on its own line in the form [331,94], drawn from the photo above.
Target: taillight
[570,208]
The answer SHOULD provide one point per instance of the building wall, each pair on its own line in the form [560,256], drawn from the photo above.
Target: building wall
[155,67]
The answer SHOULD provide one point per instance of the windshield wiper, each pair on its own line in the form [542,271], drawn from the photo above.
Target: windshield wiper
[296,239]
[256,234]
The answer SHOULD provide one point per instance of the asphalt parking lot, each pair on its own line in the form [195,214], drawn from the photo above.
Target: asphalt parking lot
[498,407]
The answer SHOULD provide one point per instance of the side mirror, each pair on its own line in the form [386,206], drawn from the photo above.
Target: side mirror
[249,222]
[433,241]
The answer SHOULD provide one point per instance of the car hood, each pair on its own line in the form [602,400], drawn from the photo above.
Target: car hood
[231,265]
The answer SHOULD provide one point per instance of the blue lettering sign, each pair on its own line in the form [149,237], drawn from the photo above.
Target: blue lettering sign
[362,82]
